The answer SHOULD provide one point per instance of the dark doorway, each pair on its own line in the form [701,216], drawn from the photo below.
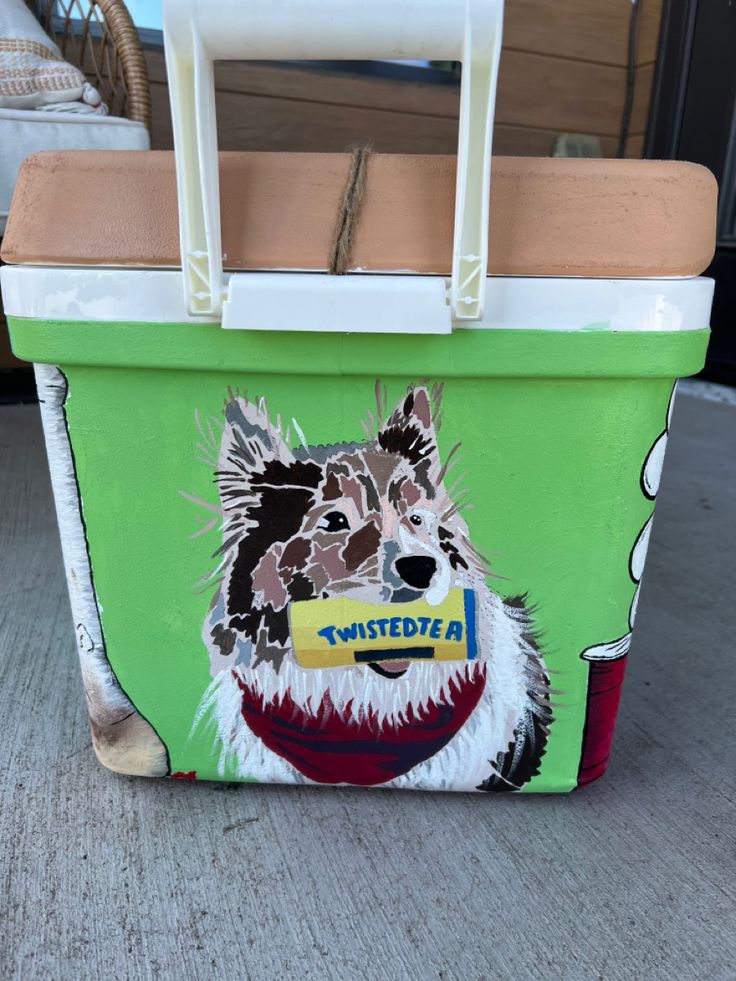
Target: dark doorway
[693,117]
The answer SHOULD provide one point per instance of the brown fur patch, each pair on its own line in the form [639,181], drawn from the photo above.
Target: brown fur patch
[296,554]
[420,407]
[352,490]
[224,638]
[361,546]
[371,494]
[266,580]
[330,560]
[331,489]
[410,492]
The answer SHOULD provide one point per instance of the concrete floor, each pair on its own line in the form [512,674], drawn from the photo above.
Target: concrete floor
[110,877]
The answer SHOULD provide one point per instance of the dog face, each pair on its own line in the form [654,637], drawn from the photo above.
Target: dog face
[371,521]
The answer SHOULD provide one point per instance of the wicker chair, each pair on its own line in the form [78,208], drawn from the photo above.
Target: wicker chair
[100,37]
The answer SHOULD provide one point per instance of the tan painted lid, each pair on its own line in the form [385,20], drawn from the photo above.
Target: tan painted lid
[549,217]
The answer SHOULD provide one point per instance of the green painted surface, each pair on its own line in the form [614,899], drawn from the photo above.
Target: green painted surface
[552,464]
[464,354]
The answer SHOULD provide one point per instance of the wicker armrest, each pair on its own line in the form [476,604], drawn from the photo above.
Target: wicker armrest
[99,36]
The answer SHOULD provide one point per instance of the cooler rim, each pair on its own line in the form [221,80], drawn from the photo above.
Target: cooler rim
[152,296]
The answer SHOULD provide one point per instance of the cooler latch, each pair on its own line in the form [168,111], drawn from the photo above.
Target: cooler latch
[352,303]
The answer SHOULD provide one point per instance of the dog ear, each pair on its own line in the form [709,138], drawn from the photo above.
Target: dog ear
[250,441]
[410,429]
[255,462]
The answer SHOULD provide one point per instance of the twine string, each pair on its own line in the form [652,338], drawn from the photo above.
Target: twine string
[349,213]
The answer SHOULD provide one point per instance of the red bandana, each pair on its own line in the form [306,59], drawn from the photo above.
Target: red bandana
[328,748]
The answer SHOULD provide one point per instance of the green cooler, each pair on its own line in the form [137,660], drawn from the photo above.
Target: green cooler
[385,528]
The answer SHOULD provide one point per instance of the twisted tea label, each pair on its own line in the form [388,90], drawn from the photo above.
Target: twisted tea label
[340,632]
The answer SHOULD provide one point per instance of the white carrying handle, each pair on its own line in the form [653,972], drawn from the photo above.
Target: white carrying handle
[196,32]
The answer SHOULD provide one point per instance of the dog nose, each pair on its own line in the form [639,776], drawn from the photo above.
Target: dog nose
[416,570]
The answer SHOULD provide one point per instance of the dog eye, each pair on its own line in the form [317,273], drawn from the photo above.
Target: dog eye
[334,521]
[415,520]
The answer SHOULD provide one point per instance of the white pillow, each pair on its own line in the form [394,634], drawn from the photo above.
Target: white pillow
[23,132]
[32,71]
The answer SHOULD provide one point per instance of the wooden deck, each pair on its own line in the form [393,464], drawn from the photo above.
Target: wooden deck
[633,878]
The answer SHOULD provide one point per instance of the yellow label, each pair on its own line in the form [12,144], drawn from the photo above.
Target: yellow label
[336,632]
